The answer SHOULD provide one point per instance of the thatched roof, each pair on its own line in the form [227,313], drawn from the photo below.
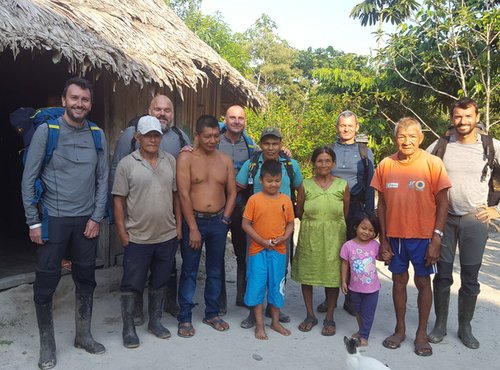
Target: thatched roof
[141,41]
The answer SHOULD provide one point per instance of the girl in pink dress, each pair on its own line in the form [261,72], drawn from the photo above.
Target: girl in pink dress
[359,273]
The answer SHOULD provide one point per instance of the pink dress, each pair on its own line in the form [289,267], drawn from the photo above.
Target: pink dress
[362,262]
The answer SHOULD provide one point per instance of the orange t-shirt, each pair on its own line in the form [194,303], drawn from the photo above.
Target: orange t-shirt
[269,218]
[410,193]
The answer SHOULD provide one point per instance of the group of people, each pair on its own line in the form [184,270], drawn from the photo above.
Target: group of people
[166,192]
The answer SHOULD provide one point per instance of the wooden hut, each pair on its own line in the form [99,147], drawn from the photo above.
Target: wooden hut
[130,51]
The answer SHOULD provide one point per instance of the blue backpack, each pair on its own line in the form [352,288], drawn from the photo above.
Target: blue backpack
[25,121]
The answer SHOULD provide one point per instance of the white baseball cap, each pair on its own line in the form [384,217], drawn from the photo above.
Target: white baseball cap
[147,124]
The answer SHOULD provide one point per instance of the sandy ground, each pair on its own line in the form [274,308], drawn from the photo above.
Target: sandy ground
[237,348]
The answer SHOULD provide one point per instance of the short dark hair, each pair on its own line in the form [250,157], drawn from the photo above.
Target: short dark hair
[321,150]
[464,103]
[371,218]
[270,167]
[206,121]
[82,83]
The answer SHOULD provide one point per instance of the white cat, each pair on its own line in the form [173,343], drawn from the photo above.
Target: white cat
[355,361]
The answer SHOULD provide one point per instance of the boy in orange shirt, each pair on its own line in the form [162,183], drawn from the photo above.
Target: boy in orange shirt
[268,221]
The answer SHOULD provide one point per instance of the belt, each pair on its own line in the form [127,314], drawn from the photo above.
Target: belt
[207,214]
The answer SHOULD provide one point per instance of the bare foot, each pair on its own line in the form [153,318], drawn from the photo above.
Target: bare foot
[260,332]
[363,342]
[280,329]
[355,335]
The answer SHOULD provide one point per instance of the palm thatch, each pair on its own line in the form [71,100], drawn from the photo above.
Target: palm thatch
[141,41]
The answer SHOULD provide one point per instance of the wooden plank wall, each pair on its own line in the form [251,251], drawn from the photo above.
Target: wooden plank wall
[116,104]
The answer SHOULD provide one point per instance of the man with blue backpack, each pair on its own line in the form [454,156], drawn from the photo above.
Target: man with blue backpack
[64,189]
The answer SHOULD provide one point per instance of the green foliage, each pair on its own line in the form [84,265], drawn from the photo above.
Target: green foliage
[371,12]
[449,52]
[184,8]
[213,30]
[272,59]
[302,131]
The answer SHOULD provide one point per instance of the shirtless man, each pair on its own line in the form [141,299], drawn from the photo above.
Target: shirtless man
[207,189]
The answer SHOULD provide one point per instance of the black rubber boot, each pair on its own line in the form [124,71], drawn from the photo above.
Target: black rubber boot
[47,342]
[128,304]
[171,306]
[138,312]
[466,307]
[241,285]
[249,322]
[155,306]
[83,318]
[441,305]
[441,285]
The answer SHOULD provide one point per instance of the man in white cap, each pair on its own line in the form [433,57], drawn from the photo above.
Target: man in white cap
[146,208]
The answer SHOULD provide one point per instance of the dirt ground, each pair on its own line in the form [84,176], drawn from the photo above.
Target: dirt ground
[237,348]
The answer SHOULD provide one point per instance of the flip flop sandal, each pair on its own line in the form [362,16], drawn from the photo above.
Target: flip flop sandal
[308,324]
[393,341]
[329,328]
[216,323]
[183,328]
[423,349]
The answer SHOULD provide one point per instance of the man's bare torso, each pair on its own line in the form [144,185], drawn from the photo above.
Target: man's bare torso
[209,176]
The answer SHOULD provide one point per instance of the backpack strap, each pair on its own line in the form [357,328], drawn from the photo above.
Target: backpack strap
[96,135]
[249,143]
[289,171]
[363,153]
[53,137]
[440,147]
[181,137]
[252,171]
[489,153]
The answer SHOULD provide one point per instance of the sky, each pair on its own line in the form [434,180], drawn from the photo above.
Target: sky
[309,23]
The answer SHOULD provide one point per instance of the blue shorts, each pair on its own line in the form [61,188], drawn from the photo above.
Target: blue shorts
[266,269]
[414,250]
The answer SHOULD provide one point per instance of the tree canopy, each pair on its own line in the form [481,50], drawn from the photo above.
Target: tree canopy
[441,51]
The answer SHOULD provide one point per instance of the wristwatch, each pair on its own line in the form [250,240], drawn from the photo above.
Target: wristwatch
[438,232]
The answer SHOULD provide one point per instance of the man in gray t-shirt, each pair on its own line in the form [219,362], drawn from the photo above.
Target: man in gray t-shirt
[467,223]
[172,141]
[75,189]
[144,202]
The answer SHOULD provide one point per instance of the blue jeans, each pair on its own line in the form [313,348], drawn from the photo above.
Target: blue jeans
[213,234]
